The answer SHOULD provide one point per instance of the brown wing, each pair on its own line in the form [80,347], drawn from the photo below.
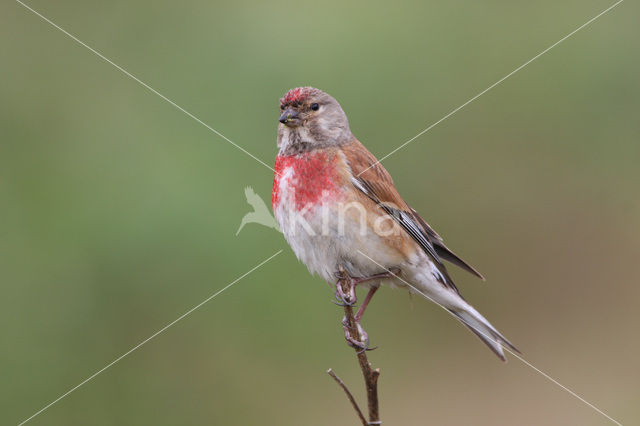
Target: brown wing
[443,251]
[375,182]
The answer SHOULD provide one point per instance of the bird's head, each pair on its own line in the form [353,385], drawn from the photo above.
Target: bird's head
[310,119]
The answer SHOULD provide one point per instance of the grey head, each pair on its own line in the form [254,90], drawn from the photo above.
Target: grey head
[310,119]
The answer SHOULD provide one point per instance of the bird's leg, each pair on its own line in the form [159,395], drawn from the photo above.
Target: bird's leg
[359,339]
[349,298]
[345,288]
[391,273]
[365,303]
[363,343]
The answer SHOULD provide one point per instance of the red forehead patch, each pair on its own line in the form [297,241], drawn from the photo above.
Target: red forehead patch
[295,95]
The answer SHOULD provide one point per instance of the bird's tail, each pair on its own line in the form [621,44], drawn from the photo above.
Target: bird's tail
[483,329]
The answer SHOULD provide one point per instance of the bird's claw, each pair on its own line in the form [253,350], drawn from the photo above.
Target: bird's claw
[342,302]
[346,299]
[363,344]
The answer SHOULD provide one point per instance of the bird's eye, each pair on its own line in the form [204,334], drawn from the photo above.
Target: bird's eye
[315,107]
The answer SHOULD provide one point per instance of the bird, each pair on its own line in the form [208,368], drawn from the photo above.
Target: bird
[260,213]
[342,215]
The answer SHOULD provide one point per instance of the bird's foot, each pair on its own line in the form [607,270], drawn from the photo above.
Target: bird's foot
[341,302]
[345,297]
[348,297]
[363,344]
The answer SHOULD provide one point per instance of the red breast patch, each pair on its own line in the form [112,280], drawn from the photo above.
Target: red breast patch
[312,175]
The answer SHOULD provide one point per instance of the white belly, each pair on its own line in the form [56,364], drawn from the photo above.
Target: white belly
[323,238]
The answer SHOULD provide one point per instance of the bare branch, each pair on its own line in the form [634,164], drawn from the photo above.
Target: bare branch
[349,395]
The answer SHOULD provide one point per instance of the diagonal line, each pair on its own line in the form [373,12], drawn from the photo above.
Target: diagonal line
[503,347]
[492,86]
[146,86]
[269,167]
[149,338]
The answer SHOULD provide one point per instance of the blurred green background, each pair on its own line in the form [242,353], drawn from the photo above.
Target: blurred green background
[118,212]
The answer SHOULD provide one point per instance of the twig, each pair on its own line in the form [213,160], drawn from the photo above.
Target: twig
[370,375]
[351,398]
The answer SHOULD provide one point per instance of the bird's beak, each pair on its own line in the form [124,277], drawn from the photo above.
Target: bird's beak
[289,118]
